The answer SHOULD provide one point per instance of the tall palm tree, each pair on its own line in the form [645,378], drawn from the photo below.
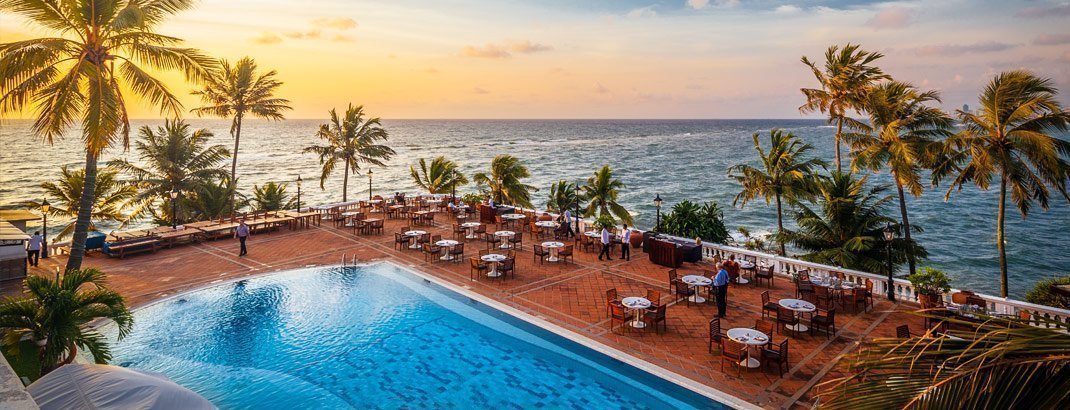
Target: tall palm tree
[55,314]
[351,141]
[171,158]
[1003,364]
[904,135]
[1010,138]
[601,192]
[504,181]
[88,73]
[209,200]
[112,198]
[847,227]
[236,91]
[785,175]
[440,178]
[564,196]
[270,197]
[846,76]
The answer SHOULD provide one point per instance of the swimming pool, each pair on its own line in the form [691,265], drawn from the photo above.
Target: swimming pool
[375,336]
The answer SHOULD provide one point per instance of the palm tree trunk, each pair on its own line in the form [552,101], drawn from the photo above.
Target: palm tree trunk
[234,162]
[906,223]
[85,213]
[839,131]
[1000,235]
[73,352]
[345,183]
[780,226]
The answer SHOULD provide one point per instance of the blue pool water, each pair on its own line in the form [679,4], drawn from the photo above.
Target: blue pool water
[375,337]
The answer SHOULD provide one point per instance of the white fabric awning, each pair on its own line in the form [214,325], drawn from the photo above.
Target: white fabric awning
[94,386]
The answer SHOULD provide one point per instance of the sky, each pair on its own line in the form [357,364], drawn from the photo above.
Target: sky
[604,58]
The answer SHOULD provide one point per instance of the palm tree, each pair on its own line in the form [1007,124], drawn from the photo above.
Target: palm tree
[239,90]
[1003,364]
[55,315]
[171,159]
[847,228]
[440,178]
[351,140]
[1010,137]
[504,181]
[903,135]
[564,196]
[785,175]
[110,200]
[270,197]
[88,74]
[601,193]
[844,80]
[209,200]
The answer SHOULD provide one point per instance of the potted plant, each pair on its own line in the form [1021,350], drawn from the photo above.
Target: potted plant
[930,284]
[605,221]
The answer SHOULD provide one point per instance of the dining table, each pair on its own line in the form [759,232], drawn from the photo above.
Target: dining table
[446,244]
[798,306]
[415,234]
[470,227]
[639,305]
[553,247]
[753,339]
[494,259]
[505,235]
[696,282]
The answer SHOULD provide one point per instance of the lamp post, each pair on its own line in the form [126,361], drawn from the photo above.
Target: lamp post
[889,234]
[44,239]
[453,185]
[576,197]
[174,209]
[369,184]
[299,193]
[657,206]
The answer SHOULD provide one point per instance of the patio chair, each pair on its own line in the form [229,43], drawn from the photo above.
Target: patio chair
[777,356]
[517,241]
[457,252]
[657,316]
[717,336]
[735,353]
[402,241]
[764,273]
[825,322]
[673,278]
[654,296]
[768,308]
[508,267]
[459,232]
[902,332]
[765,326]
[858,297]
[493,241]
[617,313]
[685,291]
[431,252]
[784,318]
[566,253]
[822,297]
[539,253]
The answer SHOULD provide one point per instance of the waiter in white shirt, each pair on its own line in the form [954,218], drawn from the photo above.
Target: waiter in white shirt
[626,244]
[33,249]
[606,244]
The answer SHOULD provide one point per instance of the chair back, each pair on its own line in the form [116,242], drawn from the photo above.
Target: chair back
[659,313]
[654,296]
[902,332]
[715,328]
[821,291]
[474,262]
[480,229]
[804,276]
[839,275]
[785,315]
[972,299]
[617,311]
[784,350]
[831,314]
[673,276]
[508,264]
[765,298]
[427,248]
[765,326]
[458,249]
[733,350]
[959,298]
[869,285]
[611,295]
[537,249]
[566,250]
[484,252]
[858,295]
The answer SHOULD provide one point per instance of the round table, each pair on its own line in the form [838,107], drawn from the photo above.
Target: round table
[469,226]
[750,337]
[637,304]
[547,225]
[505,235]
[553,246]
[415,234]
[798,306]
[744,265]
[514,217]
[697,281]
[445,244]
[593,234]
[494,258]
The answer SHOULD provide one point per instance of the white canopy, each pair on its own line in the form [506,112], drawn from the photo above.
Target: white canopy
[93,386]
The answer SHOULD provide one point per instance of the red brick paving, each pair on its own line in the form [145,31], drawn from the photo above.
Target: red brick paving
[571,295]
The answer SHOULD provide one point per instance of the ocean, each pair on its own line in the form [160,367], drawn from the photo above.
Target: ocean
[678,159]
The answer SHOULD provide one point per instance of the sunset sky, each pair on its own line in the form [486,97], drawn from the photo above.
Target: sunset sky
[605,58]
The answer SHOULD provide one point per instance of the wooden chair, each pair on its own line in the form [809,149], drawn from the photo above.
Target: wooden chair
[673,278]
[539,253]
[804,289]
[477,267]
[777,356]
[765,326]
[617,313]
[734,352]
[656,317]
[858,297]
[784,318]
[717,337]
[764,273]
[480,231]
[685,291]
[517,241]
[376,227]
[612,299]
[566,253]
[460,233]
[654,296]
[402,241]
[493,241]
[825,322]
[822,297]
[457,252]
[431,252]
[508,267]
[902,332]
[869,292]
[768,306]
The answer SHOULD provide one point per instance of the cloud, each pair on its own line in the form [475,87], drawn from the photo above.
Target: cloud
[960,49]
[480,91]
[787,9]
[297,35]
[892,18]
[504,50]
[1052,39]
[338,23]
[1041,11]
[338,38]
[698,4]
[600,89]
[431,70]
[267,38]
[647,11]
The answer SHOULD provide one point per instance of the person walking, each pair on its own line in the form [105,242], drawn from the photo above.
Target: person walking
[33,249]
[569,233]
[242,232]
[626,244]
[720,286]
[606,244]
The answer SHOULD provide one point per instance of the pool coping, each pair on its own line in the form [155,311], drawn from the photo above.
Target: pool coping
[617,354]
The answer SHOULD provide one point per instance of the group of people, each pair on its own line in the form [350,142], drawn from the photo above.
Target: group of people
[625,244]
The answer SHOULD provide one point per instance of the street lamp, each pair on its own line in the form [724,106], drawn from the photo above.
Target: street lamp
[298,193]
[576,197]
[889,235]
[369,184]
[44,239]
[453,185]
[174,209]
[657,205]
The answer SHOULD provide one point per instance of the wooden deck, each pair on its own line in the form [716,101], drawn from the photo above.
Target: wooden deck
[570,295]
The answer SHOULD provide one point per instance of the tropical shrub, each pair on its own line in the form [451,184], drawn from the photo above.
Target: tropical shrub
[112,197]
[1041,293]
[930,281]
[604,222]
[270,197]
[563,196]
[689,220]
[473,198]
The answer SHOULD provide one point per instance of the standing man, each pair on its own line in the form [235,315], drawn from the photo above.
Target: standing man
[569,233]
[242,232]
[33,249]
[720,285]
[606,244]
[626,244]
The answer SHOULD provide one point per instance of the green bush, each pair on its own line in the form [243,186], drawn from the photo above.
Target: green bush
[473,198]
[1041,293]
[689,220]
[930,281]
[605,221]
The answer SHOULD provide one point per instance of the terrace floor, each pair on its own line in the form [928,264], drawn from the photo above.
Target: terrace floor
[571,295]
